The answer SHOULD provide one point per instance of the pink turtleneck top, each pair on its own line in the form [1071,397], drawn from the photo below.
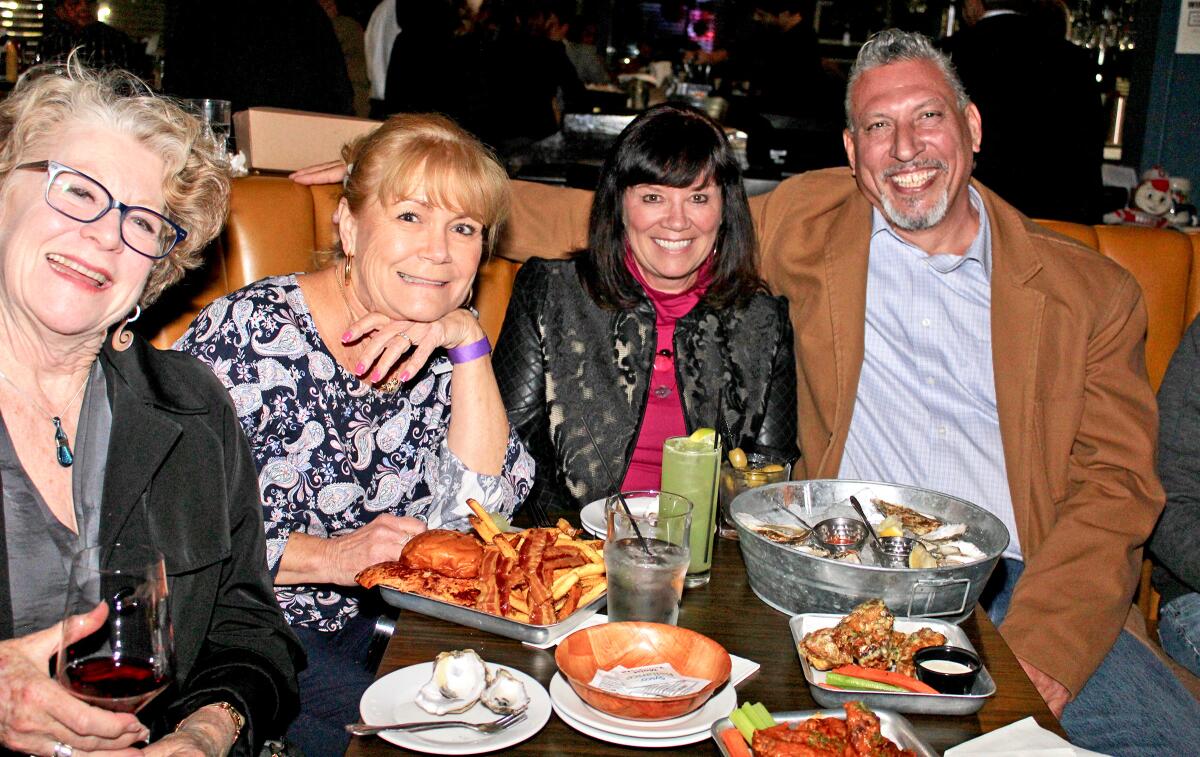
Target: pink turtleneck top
[664,410]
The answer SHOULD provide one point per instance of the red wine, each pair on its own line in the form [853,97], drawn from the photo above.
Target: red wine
[120,685]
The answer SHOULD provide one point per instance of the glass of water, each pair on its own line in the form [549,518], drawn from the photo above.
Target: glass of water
[646,556]
[217,114]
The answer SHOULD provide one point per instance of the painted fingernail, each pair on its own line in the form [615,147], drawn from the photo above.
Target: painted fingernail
[348,335]
[360,368]
[404,376]
[377,376]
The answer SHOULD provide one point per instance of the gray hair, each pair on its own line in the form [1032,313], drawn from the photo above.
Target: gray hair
[894,46]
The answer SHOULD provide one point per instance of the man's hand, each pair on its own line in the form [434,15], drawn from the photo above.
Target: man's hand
[36,712]
[1055,694]
[330,172]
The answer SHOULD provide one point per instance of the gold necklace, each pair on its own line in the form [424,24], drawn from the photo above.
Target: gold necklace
[392,384]
[61,442]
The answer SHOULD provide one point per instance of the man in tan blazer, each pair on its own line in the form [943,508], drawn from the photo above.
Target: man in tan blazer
[1071,411]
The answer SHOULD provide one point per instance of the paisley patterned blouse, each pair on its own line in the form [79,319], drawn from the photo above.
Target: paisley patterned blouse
[332,452]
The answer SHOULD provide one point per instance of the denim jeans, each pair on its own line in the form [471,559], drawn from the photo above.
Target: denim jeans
[1132,705]
[331,686]
[1179,630]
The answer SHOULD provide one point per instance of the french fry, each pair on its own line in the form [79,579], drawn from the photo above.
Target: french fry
[518,604]
[591,554]
[567,529]
[599,588]
[563,584]
[591,569]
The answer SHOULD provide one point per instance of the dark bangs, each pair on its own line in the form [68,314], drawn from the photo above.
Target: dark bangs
[670,145]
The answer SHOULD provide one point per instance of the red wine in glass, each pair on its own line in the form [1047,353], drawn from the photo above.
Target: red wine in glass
[120,685]
[128,660]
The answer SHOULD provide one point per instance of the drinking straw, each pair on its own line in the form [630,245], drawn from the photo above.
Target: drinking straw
[612,482]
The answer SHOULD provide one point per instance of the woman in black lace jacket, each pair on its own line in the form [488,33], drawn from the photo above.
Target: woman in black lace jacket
[661,323]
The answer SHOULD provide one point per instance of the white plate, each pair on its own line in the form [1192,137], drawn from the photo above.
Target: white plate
[592,514]
[568,704]
[616,738]
[390,700]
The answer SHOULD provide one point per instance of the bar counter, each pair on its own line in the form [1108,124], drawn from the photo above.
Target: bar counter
[729,612]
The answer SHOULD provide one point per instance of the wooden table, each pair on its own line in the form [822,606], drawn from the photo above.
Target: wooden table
[725,610]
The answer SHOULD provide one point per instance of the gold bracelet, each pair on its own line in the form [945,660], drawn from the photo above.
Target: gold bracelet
[238,720]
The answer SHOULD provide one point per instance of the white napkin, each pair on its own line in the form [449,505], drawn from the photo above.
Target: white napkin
[740,670]
[1024,738]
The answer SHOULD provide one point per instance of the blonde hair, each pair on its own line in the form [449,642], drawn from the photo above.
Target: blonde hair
[195,181]
[450,167]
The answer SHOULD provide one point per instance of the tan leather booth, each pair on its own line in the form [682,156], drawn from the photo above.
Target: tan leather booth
[275,226]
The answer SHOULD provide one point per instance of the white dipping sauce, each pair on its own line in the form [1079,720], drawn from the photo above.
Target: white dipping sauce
[945,666]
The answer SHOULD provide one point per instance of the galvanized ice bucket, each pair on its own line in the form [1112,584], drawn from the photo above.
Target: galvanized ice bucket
[794,582]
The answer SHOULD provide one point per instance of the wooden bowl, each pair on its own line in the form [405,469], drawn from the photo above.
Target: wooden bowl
[632,645]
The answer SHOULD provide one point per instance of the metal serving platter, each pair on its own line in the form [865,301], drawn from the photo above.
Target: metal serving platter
[472,618]
[922,704]
[893,725]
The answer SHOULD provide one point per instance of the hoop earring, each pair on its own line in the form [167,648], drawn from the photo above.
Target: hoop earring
[137,313]
[346,270]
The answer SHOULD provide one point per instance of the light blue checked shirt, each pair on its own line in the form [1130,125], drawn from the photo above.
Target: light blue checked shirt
[925,413]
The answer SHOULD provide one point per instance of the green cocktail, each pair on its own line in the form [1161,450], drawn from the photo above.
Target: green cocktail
[689,468]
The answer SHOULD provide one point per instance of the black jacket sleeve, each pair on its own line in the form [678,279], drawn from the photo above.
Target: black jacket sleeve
[777,435]
[250,656]
[1174,544]
[519,361]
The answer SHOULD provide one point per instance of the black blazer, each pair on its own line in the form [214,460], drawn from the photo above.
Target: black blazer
[180,470]
[561,358]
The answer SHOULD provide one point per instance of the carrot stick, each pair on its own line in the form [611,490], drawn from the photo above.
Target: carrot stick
[735,743]
[884,676]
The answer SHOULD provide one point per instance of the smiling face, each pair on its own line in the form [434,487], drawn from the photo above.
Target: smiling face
[411,260]
[63,276]
[912,147]
[672,231]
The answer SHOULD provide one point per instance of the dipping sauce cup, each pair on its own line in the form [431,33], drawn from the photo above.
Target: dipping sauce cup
[950,670]
[840,534]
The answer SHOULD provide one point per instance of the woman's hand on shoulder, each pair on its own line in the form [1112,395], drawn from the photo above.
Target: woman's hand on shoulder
[381,540]
[36,712]
[322,173]
[408,344]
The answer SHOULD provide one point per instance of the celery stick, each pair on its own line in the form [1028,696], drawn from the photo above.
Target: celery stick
[764,715]
[742,723]
[859,684]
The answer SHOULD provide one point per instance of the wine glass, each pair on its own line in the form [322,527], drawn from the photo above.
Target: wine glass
[130,658]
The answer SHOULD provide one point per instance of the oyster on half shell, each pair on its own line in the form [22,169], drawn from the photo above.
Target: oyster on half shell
[459,678]
[504,693]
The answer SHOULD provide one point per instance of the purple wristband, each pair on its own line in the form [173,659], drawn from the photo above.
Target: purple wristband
[468,352]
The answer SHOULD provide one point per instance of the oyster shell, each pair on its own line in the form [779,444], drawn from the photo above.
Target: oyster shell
[504,694]
[459,678]
[945,532]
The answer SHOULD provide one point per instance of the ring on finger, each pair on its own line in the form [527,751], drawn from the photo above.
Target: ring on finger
[63,750]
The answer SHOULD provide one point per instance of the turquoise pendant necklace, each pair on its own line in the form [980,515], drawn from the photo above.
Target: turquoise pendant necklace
[61,442]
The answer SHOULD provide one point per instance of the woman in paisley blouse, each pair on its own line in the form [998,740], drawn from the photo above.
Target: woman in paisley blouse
[655,328]
[342,382]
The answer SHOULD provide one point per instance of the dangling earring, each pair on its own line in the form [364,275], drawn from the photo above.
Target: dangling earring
[346,270]
[121,339]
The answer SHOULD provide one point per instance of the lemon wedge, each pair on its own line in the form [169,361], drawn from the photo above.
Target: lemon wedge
[920,558]
[889,526]
[704,436]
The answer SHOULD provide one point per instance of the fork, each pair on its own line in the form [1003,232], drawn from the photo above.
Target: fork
[366,729]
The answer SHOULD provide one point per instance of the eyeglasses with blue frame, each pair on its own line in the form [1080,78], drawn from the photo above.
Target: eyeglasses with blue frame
[81,198]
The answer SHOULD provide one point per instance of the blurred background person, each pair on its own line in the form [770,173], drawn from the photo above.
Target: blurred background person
[73,24]
[1023,74]
[378,39]
[278,53]
[350,38]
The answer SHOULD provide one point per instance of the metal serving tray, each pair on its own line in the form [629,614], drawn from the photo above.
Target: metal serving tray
[893,726]
[472,618]
[923,704]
